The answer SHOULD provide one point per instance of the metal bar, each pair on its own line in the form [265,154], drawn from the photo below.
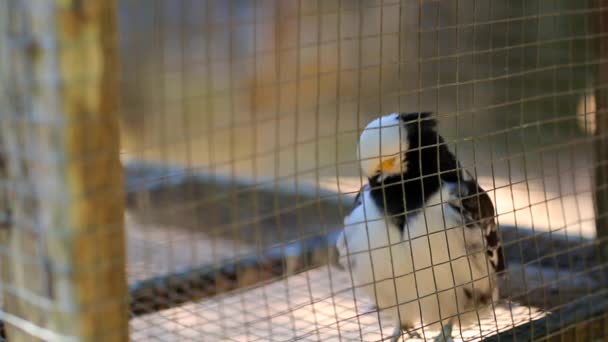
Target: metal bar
[561,322]
[601,144]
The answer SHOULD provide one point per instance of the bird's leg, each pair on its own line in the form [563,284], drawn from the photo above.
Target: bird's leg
[398,329]
[396,333]
[412,333]
[446,333]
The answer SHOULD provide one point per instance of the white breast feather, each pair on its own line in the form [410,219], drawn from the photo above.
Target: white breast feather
[383,262]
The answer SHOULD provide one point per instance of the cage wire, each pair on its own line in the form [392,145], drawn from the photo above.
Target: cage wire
[239,124]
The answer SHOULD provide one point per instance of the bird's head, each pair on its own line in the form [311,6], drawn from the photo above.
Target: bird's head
[389,141]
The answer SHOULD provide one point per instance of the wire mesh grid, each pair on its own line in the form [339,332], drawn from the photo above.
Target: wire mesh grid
[240,124]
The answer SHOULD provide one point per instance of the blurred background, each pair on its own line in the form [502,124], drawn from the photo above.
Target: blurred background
[276,93]
[250,87]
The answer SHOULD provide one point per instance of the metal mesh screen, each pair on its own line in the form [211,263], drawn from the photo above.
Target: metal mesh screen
[240,122]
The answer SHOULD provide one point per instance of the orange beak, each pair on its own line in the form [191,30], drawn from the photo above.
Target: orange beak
[388,165]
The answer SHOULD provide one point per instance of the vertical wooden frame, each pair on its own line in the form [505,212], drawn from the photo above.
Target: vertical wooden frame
[601,143]
[63,262]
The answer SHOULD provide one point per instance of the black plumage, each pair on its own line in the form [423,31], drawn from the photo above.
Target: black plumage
[431,163]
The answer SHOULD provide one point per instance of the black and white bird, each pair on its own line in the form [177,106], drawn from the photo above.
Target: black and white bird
[421,240]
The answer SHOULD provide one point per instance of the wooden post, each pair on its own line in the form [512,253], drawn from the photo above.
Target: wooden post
[63,263]
[601,143]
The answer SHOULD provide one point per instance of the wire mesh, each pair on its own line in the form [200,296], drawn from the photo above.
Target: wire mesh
[240,124]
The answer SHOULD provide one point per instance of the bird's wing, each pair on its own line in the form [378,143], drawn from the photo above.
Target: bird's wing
[477,211]
[473,204]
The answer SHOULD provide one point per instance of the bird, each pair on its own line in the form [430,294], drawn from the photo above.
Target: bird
[421,238]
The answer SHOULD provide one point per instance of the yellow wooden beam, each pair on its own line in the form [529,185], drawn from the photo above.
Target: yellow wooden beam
[63,263]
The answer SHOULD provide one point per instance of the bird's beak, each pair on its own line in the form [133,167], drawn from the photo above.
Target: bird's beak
[388,165]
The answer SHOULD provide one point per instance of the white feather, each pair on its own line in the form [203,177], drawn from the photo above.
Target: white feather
[383,137]
[414,271]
